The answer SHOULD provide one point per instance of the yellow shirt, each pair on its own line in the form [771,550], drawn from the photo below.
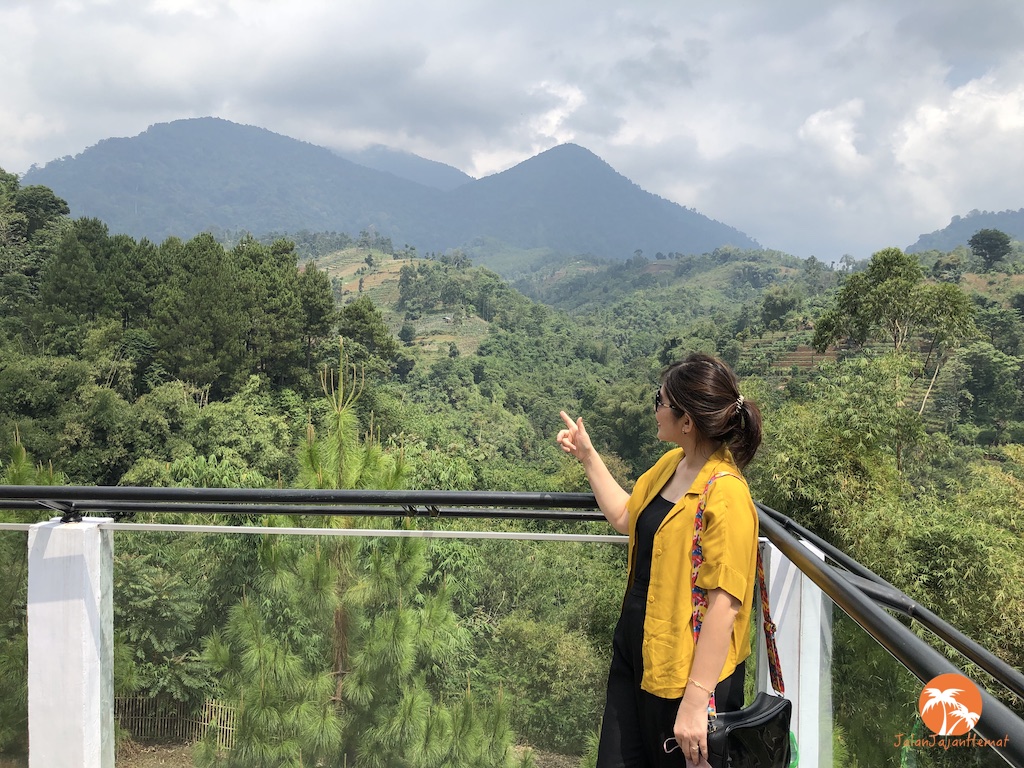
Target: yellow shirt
[729,543]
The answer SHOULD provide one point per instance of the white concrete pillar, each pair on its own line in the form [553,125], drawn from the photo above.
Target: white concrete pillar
[802,613]
[70,645]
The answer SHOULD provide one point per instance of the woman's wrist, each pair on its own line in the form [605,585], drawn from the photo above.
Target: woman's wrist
[704,688]
[696,704]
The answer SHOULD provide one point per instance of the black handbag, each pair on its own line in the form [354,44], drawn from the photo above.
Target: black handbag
[756,736]
[753,737]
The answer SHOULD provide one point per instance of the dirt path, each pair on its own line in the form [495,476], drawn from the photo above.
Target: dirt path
[144,756]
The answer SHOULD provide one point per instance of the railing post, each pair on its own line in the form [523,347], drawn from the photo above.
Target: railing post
[804,639]
[70,645]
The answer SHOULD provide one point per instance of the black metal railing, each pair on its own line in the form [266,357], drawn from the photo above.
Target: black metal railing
[123,501]
[884,593]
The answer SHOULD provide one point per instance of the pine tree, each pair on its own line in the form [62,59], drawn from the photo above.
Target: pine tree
[18,469]
[338,652]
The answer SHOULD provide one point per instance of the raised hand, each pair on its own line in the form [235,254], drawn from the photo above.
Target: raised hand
[610,496]
[574,439]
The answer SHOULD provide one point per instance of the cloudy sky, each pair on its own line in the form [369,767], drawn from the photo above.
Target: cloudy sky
[820,128]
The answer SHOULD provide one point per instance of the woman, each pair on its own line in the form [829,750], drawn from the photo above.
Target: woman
[660,681]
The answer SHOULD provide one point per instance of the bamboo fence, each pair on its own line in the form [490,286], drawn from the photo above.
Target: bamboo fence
[165,720]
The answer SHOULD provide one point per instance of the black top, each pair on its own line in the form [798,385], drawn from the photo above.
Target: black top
[647,524]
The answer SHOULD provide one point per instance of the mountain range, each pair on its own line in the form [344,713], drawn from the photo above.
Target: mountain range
[406,165]
[209,174]
[962,228]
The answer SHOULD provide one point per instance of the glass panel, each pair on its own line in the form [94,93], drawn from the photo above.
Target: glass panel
[875,717]
[13,647]
[328,649]
[357,651]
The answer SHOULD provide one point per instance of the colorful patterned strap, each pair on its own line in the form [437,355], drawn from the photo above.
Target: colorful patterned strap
[774,665]
[700,597]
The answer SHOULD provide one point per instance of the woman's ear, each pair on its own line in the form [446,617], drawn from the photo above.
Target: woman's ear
[685,423]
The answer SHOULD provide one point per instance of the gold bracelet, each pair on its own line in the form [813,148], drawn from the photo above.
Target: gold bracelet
[703,688]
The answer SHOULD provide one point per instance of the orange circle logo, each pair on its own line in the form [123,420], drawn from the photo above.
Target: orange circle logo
[950,705]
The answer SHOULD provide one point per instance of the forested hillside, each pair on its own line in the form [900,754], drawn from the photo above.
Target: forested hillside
[894,427]
[961,228]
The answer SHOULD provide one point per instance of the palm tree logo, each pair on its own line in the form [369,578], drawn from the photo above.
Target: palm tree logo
[950,705]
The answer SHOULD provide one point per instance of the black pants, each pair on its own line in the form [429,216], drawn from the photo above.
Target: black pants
[636,723]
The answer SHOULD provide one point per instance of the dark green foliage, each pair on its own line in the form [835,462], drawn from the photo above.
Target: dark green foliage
[273,656]
[9,183]
[778,302]
[16,468]
[884,301]
[892,303]
[990,245]
[1002,327]
[621,417]
[308,245]
[404,644]
[190,311]
[950,267]
[20,259]
[992,388]
[39,206]
[555,677]
[874,698]
[362,323]
[319,314]
[848,423]
[542,649]
[73,287]
[156,619]
[273,308]
[199,316]
[13,637]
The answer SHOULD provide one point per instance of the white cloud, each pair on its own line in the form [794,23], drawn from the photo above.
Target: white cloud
[815,128]
[963,152]
[833,135]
